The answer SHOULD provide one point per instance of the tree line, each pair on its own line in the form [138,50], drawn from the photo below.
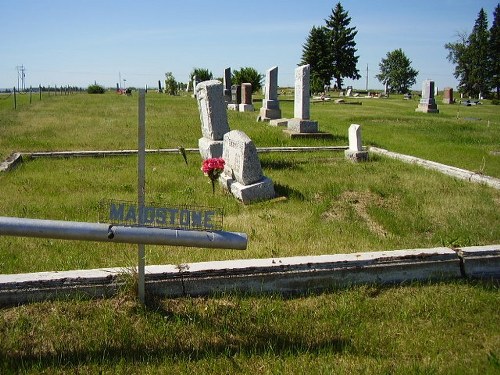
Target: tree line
[477,57]
[330,50]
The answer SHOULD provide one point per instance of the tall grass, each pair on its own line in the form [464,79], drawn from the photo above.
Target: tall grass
[326,205]
[330,205]
[446,328]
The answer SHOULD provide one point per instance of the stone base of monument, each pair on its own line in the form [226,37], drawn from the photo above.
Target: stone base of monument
[233,107]
[298,128]
[260,191]
[279,122]
[427,109]
[302,126]
[295,135]
[209,148]
[356,156]
[246,108]
[267,114]
[427,106]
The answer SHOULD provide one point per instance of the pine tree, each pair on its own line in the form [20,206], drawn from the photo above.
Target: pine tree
[494,50]
[342,46]
[480,74]
[472,58]
[315,52]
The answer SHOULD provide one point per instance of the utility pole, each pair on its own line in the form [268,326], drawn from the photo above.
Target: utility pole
[20,77]
[366,77]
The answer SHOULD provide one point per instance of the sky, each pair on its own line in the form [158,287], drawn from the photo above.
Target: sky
[134,43]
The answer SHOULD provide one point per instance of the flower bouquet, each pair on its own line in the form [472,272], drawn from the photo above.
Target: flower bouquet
[213,168]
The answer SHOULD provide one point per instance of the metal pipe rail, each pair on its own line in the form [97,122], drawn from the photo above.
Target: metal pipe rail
[81,231]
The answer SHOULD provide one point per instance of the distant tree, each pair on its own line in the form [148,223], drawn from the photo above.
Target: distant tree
[494,50]
[248,75]
[396,72]
[201,74]
[472,58]
[479,44]
[171,84]
[96,89]
[458,55]
[342,46]
[316,53]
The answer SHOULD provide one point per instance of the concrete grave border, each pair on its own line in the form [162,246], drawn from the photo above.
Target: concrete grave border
[273,275]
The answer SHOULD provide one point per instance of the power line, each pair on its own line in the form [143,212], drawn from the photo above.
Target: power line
[21,77]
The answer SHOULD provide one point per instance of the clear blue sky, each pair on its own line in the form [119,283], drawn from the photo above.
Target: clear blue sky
[66,42]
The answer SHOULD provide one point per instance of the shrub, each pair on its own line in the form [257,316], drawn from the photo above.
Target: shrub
[95,89]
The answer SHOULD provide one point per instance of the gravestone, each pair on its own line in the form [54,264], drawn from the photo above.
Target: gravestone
[195,82]
[355,151]
[227,85]
[448,95]
[270,105]
[427,104]
[246,98]
[213,117]
[235,98]
[301,122]
[242,174]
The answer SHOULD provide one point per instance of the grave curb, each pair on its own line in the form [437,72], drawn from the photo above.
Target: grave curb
[290,275]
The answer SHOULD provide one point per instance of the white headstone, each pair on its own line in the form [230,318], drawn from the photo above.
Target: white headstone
[427,103]
[302,89]
[213,117]
[355,143]
[355,152]
[270,105]
[301,123]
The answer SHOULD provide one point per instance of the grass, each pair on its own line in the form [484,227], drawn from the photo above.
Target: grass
[445,328]
[330,206]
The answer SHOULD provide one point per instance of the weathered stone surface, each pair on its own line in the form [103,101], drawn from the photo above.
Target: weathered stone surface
[279,122]
[448,95]
[210,149]
[212,110]
[356,156]
[270,105]
[427,104]
[236,94]
[302,91]
[355,142]
[241,160]
[302,126]
[242,174]
[481,261]
[246,93]
[258,191]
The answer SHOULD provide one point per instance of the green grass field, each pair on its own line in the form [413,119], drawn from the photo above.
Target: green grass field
[328,205]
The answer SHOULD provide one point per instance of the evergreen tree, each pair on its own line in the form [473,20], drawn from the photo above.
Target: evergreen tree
[459,55]
[315,52]
[480,73]
[472,58]
[396,72]
[342,46]
[495,51]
